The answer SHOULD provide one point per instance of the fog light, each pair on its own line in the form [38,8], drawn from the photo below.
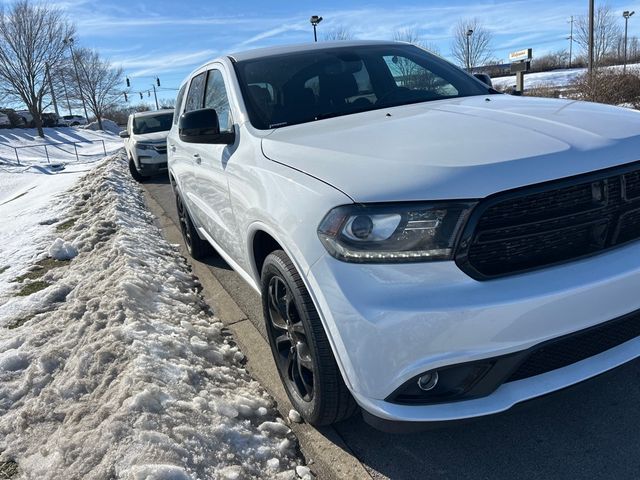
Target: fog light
[428,381]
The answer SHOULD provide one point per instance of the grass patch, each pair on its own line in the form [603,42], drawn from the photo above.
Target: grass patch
[61,227]
[18,323]
[4,269]
[40,268]
[32,287]
[8,469]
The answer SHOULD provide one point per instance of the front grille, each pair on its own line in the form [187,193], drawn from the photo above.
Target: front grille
[550,223]
[161,149]
[579,346]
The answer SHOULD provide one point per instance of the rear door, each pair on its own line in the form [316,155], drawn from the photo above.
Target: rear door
[210,169]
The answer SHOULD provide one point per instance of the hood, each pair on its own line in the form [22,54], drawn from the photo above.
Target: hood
[456,149]
[157,137]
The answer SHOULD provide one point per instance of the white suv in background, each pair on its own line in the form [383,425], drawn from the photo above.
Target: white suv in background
[423,244]
[72,120]
[145,141]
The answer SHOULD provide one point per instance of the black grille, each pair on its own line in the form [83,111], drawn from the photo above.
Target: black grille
[579,346]
[551,223]
[162,149]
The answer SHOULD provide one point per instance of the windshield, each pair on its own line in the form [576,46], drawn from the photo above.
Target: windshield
[153,123]
[303,87]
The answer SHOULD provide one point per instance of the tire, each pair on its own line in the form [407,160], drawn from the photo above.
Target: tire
[308,370]
[137,176]
[198,249]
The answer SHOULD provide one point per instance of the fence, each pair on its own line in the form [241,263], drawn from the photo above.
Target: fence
[46,147]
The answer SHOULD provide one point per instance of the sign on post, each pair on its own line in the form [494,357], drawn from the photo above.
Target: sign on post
[520,63]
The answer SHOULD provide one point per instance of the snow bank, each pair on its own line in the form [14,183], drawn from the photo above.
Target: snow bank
[107,126]
[119,370]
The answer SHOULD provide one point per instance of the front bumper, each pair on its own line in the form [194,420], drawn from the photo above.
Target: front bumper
[390,323]
[151,162]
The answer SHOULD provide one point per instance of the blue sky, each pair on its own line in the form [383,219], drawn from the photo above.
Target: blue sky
[168,38]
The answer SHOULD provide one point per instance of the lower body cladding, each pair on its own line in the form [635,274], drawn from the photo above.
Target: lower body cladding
[152,163]
[422,343]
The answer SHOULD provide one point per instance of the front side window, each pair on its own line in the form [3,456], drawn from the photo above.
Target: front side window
[216,97]
[196,91]
[312,85]
[179,100]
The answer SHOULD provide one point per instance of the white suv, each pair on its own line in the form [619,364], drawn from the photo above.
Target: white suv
[145,141]
[423,245]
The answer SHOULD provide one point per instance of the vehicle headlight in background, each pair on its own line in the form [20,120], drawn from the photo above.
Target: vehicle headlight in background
[392,233]
[144,146]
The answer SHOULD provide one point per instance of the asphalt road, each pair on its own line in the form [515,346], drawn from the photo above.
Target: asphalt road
[589,431]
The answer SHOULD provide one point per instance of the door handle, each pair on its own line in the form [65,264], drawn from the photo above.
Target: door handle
[197,157]
[172,147]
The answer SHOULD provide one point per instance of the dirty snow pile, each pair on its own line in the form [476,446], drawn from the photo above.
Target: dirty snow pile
[117,369]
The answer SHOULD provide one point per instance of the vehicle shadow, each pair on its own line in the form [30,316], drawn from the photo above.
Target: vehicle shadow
[591,430]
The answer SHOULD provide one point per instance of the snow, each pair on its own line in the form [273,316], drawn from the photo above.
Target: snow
[553,79]
[294,416]
[118,369]
[62,250]
[31,150]
[107,126]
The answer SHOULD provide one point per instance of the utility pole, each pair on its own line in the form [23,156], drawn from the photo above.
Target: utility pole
[155,95]
[571,42]
[53,95]
[469,33]
[69,41]
[627,15]
[591,34]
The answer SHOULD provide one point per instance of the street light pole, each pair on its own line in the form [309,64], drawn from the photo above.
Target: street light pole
[469,33]
[69,41]
[627,15]
[315,20]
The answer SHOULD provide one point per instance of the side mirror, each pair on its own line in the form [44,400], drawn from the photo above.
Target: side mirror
[484,78]
[124,134]
[201,126]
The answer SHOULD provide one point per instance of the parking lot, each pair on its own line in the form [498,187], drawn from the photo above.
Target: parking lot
[587,431]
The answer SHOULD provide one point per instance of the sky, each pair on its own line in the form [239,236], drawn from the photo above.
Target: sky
[168,39]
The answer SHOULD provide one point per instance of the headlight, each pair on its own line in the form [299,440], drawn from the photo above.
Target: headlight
[144,146]
[387,233]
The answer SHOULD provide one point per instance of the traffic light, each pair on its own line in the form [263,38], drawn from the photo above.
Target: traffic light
[128,82]
[158,80]
[141,97]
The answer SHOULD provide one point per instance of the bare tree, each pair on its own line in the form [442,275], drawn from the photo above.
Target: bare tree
[31,37]
[606,32]
[101,82]
[410,35]
[471,43]
[338,33]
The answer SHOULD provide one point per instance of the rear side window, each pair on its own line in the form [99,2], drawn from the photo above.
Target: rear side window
[196,92]
[179,100]
[216,98]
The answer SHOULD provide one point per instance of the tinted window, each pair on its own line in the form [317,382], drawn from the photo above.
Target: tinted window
[312,85]
[152,123]
[179,100]
[216,98]
[196,91]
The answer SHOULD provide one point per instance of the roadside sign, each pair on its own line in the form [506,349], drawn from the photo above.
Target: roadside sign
[521,55]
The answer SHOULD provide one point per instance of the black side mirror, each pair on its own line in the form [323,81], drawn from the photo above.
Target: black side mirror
[201,126]
[484,78]
[124,134]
